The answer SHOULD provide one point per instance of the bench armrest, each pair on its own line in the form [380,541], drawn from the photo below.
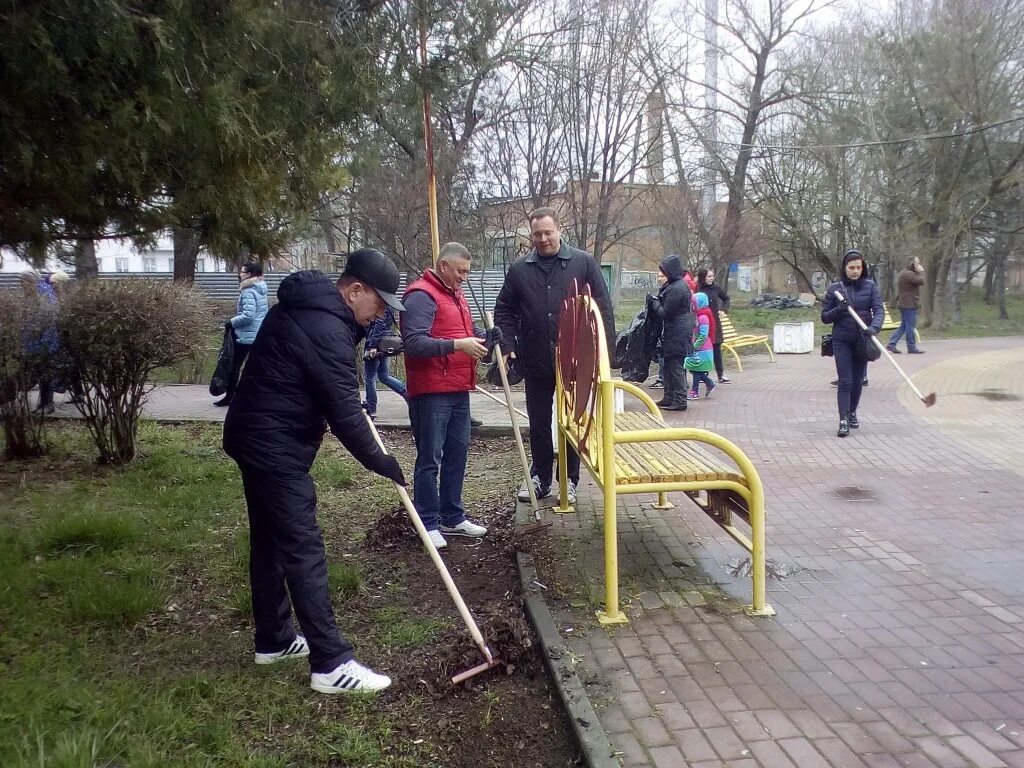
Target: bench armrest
[638,393]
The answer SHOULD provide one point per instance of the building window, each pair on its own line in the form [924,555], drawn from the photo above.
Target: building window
[121,264]
[503,250]
[149,263]
[200,265]
[170,265]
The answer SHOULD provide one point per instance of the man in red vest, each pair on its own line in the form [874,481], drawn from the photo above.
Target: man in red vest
[442,347]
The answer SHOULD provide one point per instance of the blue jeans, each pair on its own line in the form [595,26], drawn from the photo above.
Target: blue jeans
[908,326]
[440,427]
[376,368]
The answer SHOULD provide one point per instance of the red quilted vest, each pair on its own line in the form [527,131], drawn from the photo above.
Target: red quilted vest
[451,373]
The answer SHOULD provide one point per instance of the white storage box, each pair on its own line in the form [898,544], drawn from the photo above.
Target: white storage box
[793,338]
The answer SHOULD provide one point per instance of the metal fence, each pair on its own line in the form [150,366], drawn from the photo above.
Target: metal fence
[223,286]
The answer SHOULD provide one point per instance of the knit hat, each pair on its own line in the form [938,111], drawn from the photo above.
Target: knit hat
[60,276]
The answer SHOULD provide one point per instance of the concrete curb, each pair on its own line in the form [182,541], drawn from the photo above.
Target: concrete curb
[597,751]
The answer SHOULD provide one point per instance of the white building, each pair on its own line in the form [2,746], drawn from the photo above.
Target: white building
[121,256]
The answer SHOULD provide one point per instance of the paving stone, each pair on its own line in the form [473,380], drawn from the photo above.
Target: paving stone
[694,745]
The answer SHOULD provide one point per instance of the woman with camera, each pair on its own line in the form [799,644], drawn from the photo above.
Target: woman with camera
[375,360]
[850,345]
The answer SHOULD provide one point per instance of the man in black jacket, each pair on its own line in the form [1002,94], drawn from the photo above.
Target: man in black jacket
[527,310]
[300,379]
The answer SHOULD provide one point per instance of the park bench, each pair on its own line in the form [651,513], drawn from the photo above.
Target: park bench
[732,340]
[636,452]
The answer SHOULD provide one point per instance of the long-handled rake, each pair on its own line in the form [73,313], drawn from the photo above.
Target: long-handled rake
[929,399]
[490,660]
[512,410]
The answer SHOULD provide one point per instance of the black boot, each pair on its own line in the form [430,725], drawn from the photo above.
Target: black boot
[854,422]
[844,425]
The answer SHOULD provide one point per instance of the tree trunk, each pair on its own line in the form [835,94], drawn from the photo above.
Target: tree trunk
[1000,287]
[186,249]
[86,267]
[990,266]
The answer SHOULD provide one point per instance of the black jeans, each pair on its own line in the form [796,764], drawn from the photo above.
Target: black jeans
[540,399]
[852,368]
[717,352]
[241,352]
[287,549]
[675,381]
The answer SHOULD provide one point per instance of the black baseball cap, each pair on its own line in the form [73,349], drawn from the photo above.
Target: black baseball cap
[370,266]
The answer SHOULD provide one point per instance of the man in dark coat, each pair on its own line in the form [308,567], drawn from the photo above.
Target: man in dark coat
[673,306]
[718,301]
[527,310]
[300,379]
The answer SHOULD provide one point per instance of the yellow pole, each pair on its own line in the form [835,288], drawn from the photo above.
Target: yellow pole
[611,613]
[428,140]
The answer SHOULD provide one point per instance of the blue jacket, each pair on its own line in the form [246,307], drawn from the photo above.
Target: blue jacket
[252,308]
[379,329]
[40,336]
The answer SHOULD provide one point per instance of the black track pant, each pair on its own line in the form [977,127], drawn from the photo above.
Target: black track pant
[540,399]
[286,549]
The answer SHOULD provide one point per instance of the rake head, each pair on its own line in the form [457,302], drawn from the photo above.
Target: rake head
[929,400]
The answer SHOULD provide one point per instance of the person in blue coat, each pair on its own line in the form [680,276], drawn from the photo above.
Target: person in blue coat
[855,289]
[376,366]
[249,313]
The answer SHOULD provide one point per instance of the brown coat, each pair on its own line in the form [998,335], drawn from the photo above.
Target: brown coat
[909,287]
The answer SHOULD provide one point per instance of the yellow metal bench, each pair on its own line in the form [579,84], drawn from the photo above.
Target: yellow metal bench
[733,340]
[636,452]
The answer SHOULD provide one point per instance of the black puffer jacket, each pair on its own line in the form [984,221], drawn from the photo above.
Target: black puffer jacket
[673,305]
[529,305]
[864,297]
[300,377]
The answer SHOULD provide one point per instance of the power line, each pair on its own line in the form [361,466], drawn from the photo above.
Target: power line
[881,143]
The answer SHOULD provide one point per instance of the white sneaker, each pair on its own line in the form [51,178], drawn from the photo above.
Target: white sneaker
[437,539]
[538,491]
[465,528]
[350,677]
[570,492]
[299,649]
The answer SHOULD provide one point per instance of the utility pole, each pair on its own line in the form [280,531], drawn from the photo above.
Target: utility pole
[709,196]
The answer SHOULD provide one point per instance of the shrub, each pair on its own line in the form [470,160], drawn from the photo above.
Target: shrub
[114,334]
[24,320]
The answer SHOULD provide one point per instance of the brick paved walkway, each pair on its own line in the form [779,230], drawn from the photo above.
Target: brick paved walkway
[899,640]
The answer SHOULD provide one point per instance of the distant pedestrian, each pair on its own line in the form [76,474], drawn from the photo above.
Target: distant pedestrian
[701,361]
[848,341]
[673,305]
[301,380]
[908,302]
[718,301]
[42,343]
[375,365]
[250,310]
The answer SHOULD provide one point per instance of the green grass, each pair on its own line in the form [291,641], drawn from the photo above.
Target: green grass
[398,630]
[123,598]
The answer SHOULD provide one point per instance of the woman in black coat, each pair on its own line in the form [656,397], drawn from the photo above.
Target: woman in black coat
[857,290]
[672,305]
[718,301]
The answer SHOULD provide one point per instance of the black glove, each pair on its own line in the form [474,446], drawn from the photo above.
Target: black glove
[869,331]
[493,338]
[841,301]
[228,326]
[388,466]
[651,299]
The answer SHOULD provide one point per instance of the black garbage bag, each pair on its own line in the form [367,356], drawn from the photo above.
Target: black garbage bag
[226,358]
[637,346]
